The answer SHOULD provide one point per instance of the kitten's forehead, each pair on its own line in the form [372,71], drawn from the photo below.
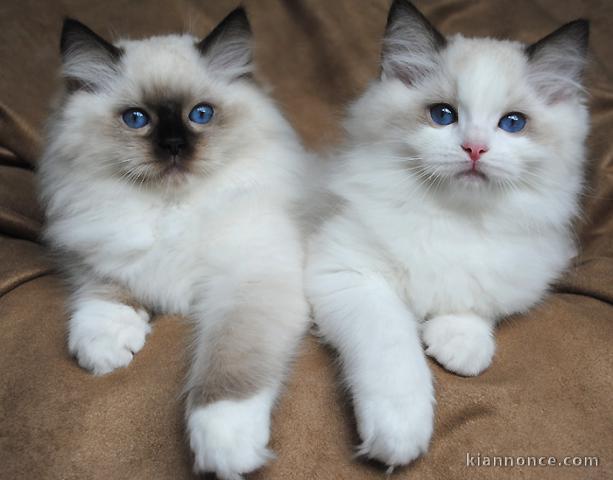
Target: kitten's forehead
[488,73]
[163,63]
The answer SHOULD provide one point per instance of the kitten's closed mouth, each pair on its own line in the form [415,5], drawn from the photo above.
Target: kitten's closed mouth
[175,166]
[472,175]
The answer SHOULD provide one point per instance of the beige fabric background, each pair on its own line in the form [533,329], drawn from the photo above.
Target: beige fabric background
[549,392]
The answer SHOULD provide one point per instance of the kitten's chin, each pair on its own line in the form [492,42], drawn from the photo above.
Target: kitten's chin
[174,176]
[472,178]
[166,175]
[175,171]
[461,179]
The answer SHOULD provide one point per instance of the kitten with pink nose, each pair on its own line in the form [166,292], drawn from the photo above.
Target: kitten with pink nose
[457,188]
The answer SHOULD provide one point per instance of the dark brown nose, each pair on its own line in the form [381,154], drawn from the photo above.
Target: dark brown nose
[174,145]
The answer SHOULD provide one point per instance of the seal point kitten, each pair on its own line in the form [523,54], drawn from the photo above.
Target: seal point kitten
[168,180]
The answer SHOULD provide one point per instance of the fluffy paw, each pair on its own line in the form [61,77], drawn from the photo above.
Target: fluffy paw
[105,335]
[229,437]
[463,344]
[395,430]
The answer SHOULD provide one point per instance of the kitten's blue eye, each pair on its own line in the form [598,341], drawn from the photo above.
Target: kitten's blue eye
[513,122]
[443,114]
[201,113]
[135,118]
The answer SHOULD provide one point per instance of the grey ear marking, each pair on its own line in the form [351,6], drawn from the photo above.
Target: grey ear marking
[557,61]
[88,59]
[228,47]
[403,11]
[575,33]
[410,44]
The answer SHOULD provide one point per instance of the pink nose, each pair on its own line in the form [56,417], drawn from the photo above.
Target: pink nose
[474,150]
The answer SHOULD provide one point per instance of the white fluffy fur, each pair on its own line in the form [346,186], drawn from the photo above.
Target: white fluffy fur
[105,335]
[229,437]
[202,247]
[419,250]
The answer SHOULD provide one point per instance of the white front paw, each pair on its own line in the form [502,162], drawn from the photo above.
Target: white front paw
[229,437]
[395,430]
[105,335]
[463,344]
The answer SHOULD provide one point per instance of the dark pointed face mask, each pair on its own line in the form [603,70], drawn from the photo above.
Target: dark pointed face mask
[162,125]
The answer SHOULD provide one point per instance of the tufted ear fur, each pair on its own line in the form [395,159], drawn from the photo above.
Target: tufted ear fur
[557,61]
[227,48]
[410,45]
[88,60]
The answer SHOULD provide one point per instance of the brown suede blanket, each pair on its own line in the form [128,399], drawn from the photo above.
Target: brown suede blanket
[548,393]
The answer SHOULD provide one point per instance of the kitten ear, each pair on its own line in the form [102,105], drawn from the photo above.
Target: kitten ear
[410,45]
[227,48]
[557,61]
[88,60]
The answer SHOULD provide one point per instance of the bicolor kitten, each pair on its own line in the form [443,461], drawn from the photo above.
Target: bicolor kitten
[458,186]
[168,181]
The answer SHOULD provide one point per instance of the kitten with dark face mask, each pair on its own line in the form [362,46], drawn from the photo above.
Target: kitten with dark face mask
[168,181]
[459,185]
